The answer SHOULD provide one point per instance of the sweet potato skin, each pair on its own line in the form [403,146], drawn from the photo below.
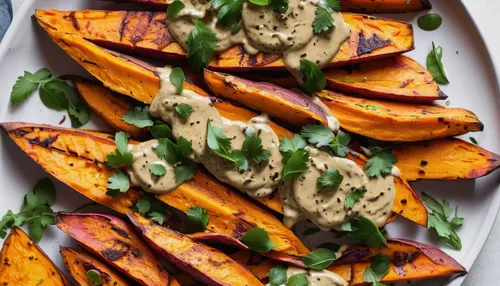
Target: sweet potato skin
[114,241]
[145,33]
[444,159]
[78,262]
[206,264]
[24,263]
[390,121]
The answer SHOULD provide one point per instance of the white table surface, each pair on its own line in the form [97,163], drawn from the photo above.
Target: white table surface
[486,270]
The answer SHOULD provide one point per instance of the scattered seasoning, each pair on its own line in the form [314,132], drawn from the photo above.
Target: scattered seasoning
[473,140]
[62,120]
[423,163]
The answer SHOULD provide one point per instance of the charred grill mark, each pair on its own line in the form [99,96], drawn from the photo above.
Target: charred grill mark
[239,230]
[73,20]
[118,250]
[120,231]
[19,132]
[123,25]
[241,54]
[137,254]
[44,143]
[367,45]
[88,62]
[217,263]
[253,60]
[402,258]
[269,58]
[144,19]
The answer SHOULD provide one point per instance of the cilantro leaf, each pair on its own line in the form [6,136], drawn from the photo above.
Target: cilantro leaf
[198,218]
[25,85]
[253,150]
[152,208]
[323,21]
[184,172]
[313,78]
[157,217]
[174,8]
[257,239]
[219,143]
[378,269]
[277,275]
[183,110]
[364,230]
[241,160]
[183,148]
[161,130]
[370,276]
[119,183]
[473,140]
[354,197]
[79,114]
[331,179]
[380,162]
[288,146]
[296,164]
[121,140]
[319,259]
[299,279]
[121,157]
[235,29]
[318,135]
[435,65]
[331,5]
[177,79]
[139,117]
[157,169]
[279,5]
[143,205]
[52,95]
[340,144]
[259,2]
[43,194]
[202,42]
[94,277]
[229,11]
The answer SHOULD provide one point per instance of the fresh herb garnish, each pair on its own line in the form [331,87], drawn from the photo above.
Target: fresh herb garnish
[235,29]
[152,208]
[330,245]
[121,157]
[378,269]
[184,171]
[319,259]
[36,211]
[139,117]
[354,197]
[259,2]
[318,135]
[288,146]
[183,110]
[430,22]
[340,144]
[365,230]
[473,140]
[228,11]
[25,85]
[296,164]
[381,162]
[219,143]
[323,21]
[198,219]
[202,42]
[94,277]
[161,130]
[257,239]
[253,150]
[174,8]
[118,184]
[279,5]
[330,179]
[435,65]
[177,155]
[299,279]
[438,220]
[157,169]
[314,79]
[177,79]
[277,275]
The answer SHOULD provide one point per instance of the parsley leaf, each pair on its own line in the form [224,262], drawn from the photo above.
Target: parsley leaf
[296,164]
[288,146]
[370,276]
[323,21]
[354,197]
[279,5]
[94,277]
[253,150]
[219,143]
[202,42]
[429,22]
[177,79]
[198,218]
[364,230]
[118,184]
[183,110]
[319,259]
[257,239]
[157,169]
[161,130]
[435,65]
[79,114]
[174,8]
[331,179]
[184,172]
[340,144]
[25,85]
[378,269]
[331,5]
[438,215]
[121,157]
[381,162]
[318,135]
[299,279]
[52,94]
[139,117]
[152,208]
[259,2]
[229,11]
[277,275]
[473,140]
[177,155]
[143,205]
[313,78]
[235,29]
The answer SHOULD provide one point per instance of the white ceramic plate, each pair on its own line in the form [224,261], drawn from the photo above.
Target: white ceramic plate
[473,86]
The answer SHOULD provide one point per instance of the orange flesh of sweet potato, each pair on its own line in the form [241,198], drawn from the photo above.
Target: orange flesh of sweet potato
[385,6]
[445,159]
[77,158]
[145,33]
[24,263]
[79,262]
[206,264]
[409,260]
[115,242]
[393,121]
[109,107]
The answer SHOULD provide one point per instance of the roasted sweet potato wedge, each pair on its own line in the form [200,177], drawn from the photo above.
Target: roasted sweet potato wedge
[145,33]
[206,264]
[445,159]
[77,157]
[79,262]
[392,121]
[24,263]
[114,241]
[409,260]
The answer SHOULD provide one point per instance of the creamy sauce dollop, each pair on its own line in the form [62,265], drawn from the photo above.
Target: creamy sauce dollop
[318,278]
[263,29]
